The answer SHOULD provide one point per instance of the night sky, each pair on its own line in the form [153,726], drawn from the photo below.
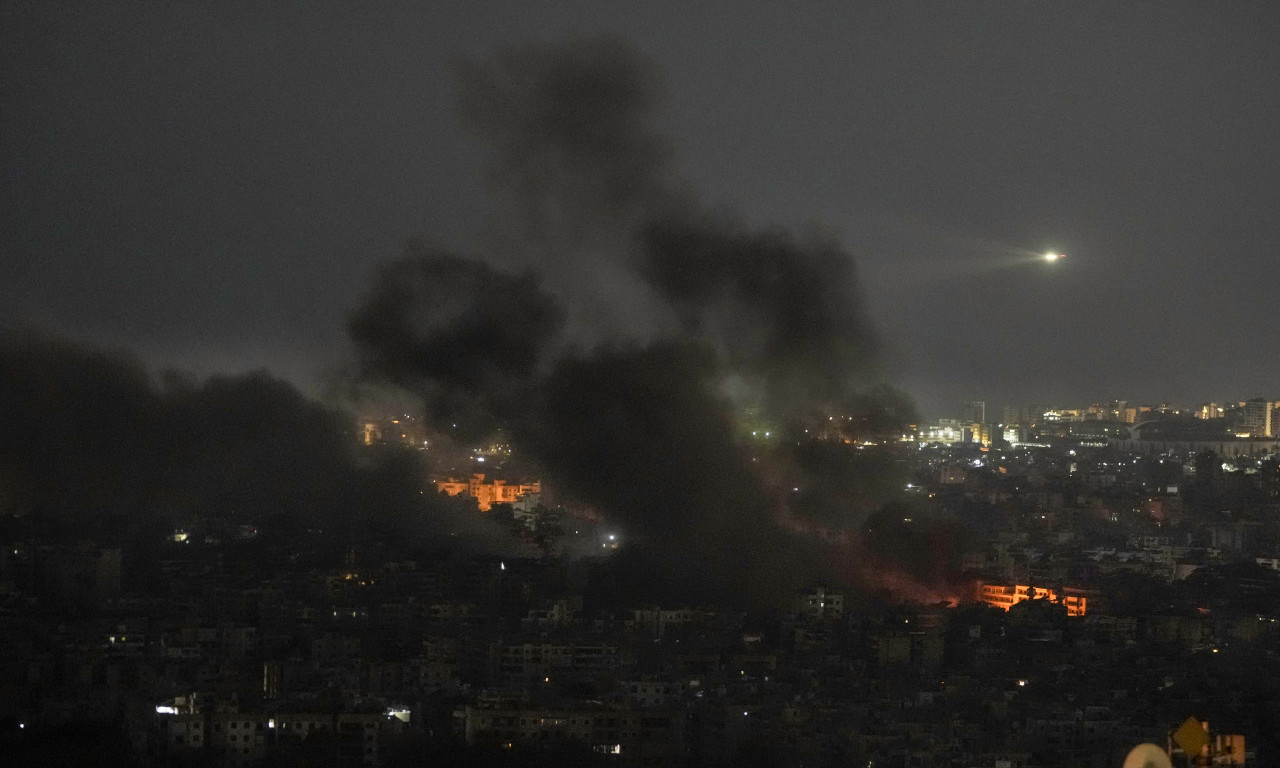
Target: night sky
[212,185]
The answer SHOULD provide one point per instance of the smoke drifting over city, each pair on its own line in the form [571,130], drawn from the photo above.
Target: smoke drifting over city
[654,362]
[682,328]
[590,194]
[639,384]
[91,446]
[466,337]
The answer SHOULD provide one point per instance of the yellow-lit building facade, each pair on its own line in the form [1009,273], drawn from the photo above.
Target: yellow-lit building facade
[488,493]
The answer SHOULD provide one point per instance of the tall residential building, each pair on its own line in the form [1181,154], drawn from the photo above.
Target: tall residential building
[1024,414]
[974,411]
[1255,417]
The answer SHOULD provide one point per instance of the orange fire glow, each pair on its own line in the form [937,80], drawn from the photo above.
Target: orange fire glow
[1006,596]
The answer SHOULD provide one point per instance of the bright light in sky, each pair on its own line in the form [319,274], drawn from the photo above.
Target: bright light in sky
[1054,256]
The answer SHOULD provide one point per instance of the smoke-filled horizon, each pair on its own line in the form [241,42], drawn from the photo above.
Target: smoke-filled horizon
[623,361]
[659,363]
[94,447]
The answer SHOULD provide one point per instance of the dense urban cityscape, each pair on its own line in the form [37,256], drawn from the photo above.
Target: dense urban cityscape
[862,385]
[1106,574]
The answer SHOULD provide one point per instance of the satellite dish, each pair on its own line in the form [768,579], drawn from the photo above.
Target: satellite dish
[1147,756]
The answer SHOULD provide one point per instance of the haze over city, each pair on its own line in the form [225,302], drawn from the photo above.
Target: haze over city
[611,385]
[212,187]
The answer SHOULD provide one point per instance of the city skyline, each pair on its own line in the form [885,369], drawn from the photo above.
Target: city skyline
[594,383]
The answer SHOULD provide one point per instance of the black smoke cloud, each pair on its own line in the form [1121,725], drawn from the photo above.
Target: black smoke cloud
[74,427]
[590,193]
[786,314]
[92,446]
[642,433]
[571,130]
[577,167]
[676,321]
[466,337]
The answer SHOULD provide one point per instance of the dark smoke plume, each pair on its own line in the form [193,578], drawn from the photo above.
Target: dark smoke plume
[570,126]
[786,314]
[91,446]
[466,337]
[74,428]
[677,322]
[578,166]
[643,432]
[588,183]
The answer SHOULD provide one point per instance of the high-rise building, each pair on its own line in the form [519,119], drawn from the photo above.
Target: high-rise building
[1255,417]
[974,411]
[1024,414]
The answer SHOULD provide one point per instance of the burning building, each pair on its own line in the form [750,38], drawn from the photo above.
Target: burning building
[488,493]
[1005,596]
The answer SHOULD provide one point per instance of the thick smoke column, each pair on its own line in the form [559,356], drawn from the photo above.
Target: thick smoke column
[643,433]
[787,315]
[589,184]
[577,169]
[466,337]
[571,129]
[677,320]
[651,414]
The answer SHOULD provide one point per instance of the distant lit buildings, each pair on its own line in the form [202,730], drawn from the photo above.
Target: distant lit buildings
[978,432]
[946,431]
[1156,437]
[1016,433]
